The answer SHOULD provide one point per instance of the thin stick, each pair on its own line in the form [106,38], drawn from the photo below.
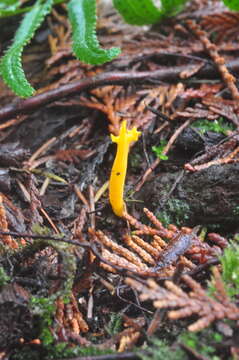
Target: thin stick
[108,78]
[166,150]
[41,150]
[211,48]
[81,197]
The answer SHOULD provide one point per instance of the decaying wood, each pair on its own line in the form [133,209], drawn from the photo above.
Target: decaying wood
[205,197]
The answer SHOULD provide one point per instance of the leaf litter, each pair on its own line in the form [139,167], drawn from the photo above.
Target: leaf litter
[69,266]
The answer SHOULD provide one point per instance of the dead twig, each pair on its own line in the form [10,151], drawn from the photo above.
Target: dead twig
[197,301]
[108,78]
[211,48]
[166,150]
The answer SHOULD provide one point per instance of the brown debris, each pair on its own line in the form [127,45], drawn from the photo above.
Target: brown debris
[161,83]
[215,155]
[128,341]
[224,107]
[6,239]
[158,257]
[69,317]
[224,25]
[170,143]
[197,301]
[228,78]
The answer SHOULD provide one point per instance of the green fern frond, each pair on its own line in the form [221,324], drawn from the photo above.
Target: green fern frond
[82,15]
[145,12]
[172,7]
[232,4]
[11,65]
[7,7]
[136,12]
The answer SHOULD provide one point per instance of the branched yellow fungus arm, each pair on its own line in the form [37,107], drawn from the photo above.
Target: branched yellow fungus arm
[118,172]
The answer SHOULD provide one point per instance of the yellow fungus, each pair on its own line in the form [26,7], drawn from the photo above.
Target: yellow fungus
[118,172]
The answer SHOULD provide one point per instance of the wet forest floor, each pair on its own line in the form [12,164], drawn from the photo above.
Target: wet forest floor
[76,281]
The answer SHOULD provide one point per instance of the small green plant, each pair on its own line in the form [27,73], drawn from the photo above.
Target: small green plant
[11,7]
[219,126]
[158,150]
[82,16]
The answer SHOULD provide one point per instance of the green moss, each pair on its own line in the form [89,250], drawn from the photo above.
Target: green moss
[220,126]
[230,269]
[62,350]
[230,272]
[4,278]
[57,351]
[135,160]
[204,342]
[44,309]
[115,324]
[175,212]
[236,210]
[159,350]
[67,258]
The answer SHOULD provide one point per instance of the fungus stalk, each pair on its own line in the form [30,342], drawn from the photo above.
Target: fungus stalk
[118,172]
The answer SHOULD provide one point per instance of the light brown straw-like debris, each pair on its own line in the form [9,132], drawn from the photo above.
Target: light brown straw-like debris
[158,253]
[211,48]
[197,301]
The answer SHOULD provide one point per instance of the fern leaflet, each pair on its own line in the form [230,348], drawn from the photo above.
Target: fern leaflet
[145,12]
[82,15]
[232,4]
[11,66]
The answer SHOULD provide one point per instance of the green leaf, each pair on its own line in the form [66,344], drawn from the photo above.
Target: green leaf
[137,12]
[232,4]
[9,4]
[158,150]
[13,11]
[9,7]
[6,3]
[11,66]
[145,12]
[82,15]
[172,7]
